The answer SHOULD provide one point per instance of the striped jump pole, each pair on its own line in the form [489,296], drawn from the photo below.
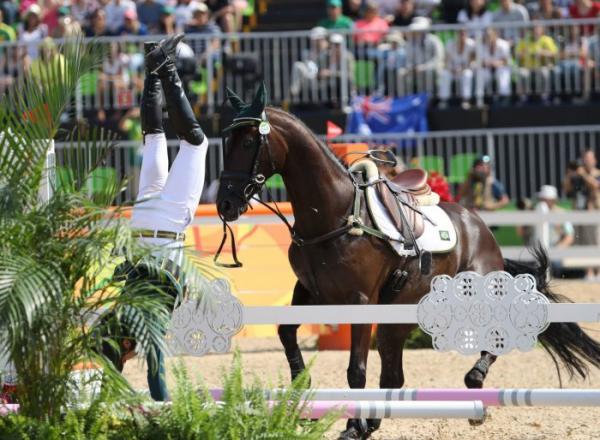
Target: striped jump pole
[489,397]
[395,410]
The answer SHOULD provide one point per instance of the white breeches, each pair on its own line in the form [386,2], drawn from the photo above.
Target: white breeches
[167,200]
[501,76]
[464,79]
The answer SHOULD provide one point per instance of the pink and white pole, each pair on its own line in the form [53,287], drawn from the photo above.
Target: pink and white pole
[395,410]
[489,397]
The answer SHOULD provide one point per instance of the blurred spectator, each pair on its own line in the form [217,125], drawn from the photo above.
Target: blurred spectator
[48,56]
[131,24]
[166,23]
[222,12]
[585,9]
[481,190]
[97,27]
[149,13]
[387,8]
[115,15]
[32,31]
[573,55]
[184,12]
[50,13]
[391,64]
[10,11]
[335,19]
[582,185]
[352,9]
[304,72]
[67,27]
[81,10]
[338,67]
[405,13]
[460,56]
[475,14]
[201,25]
[536,55]
[7,33]
[424,56]
[526,232]
[495,65]
[372,27]
[510,12]
[552,235]
[545,10]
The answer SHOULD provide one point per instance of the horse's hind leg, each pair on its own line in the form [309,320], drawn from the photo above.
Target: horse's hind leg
[288,333]
[390,344]
[476,375]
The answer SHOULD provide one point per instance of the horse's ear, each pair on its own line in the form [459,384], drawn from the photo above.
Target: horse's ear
[260,101]
[235,100]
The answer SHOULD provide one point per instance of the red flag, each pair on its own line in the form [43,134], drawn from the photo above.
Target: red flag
[333,130]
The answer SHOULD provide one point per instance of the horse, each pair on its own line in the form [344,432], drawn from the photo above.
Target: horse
[334,267]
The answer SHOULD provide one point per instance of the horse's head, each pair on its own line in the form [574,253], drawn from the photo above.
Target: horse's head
[248,157]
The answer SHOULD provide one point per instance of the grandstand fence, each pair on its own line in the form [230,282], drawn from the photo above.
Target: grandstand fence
[523,158]
[391,69]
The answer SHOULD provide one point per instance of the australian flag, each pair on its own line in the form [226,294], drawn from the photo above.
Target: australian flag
[388,115]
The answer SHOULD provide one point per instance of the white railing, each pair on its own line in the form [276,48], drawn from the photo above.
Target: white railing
[298,72]
[523,158]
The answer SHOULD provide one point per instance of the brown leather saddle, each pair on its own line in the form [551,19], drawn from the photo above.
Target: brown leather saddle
[400,195]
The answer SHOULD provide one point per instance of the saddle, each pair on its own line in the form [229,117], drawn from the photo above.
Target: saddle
[402,197]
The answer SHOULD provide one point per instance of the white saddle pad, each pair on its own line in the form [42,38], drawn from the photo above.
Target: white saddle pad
[439,235]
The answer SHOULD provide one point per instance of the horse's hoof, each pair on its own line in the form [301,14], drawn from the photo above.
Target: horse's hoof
[479,422]
[353,433]
[474,379]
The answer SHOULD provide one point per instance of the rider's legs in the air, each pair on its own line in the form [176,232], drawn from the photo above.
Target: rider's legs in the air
[167,199]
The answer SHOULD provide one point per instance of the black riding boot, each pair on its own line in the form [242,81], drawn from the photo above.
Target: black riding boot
[151,105]
[161,61]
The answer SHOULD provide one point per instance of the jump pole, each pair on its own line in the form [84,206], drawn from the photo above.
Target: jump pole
[489,397]
[395,410]
[366,409]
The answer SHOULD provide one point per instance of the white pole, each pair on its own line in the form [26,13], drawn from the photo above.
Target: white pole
[396,410]
[387,314]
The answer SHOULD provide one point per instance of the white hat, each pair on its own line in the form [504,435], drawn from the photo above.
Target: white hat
[318,33]
[548,192]
[336,39]
[419,24]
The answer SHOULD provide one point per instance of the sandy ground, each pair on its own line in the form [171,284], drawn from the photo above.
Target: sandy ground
[425,368]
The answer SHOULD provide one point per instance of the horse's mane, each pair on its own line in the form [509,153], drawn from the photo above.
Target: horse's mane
[323,146]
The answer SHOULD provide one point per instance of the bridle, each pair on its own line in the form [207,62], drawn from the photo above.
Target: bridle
[252,181]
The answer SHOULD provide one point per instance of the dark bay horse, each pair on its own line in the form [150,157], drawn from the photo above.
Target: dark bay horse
[349,269]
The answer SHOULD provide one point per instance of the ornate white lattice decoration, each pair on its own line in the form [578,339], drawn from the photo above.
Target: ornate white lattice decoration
[495,313]
[201,326]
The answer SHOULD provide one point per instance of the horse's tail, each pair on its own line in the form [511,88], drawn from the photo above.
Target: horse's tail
[565,341]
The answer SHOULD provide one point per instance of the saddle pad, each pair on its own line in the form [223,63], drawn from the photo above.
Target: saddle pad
[437,238]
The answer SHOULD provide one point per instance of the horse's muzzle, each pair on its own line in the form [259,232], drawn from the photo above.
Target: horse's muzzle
[231,209]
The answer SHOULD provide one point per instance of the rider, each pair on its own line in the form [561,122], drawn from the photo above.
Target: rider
[167,200]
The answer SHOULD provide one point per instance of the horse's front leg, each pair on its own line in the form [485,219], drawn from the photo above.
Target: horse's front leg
[288,333]
[357,378]
[476,375]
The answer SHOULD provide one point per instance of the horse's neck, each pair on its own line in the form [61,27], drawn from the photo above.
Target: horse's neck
[319,189]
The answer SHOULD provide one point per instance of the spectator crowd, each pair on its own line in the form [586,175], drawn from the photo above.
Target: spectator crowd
[391,38]
[505,49]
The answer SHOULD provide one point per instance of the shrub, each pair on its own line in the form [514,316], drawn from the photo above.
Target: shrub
[242,413]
